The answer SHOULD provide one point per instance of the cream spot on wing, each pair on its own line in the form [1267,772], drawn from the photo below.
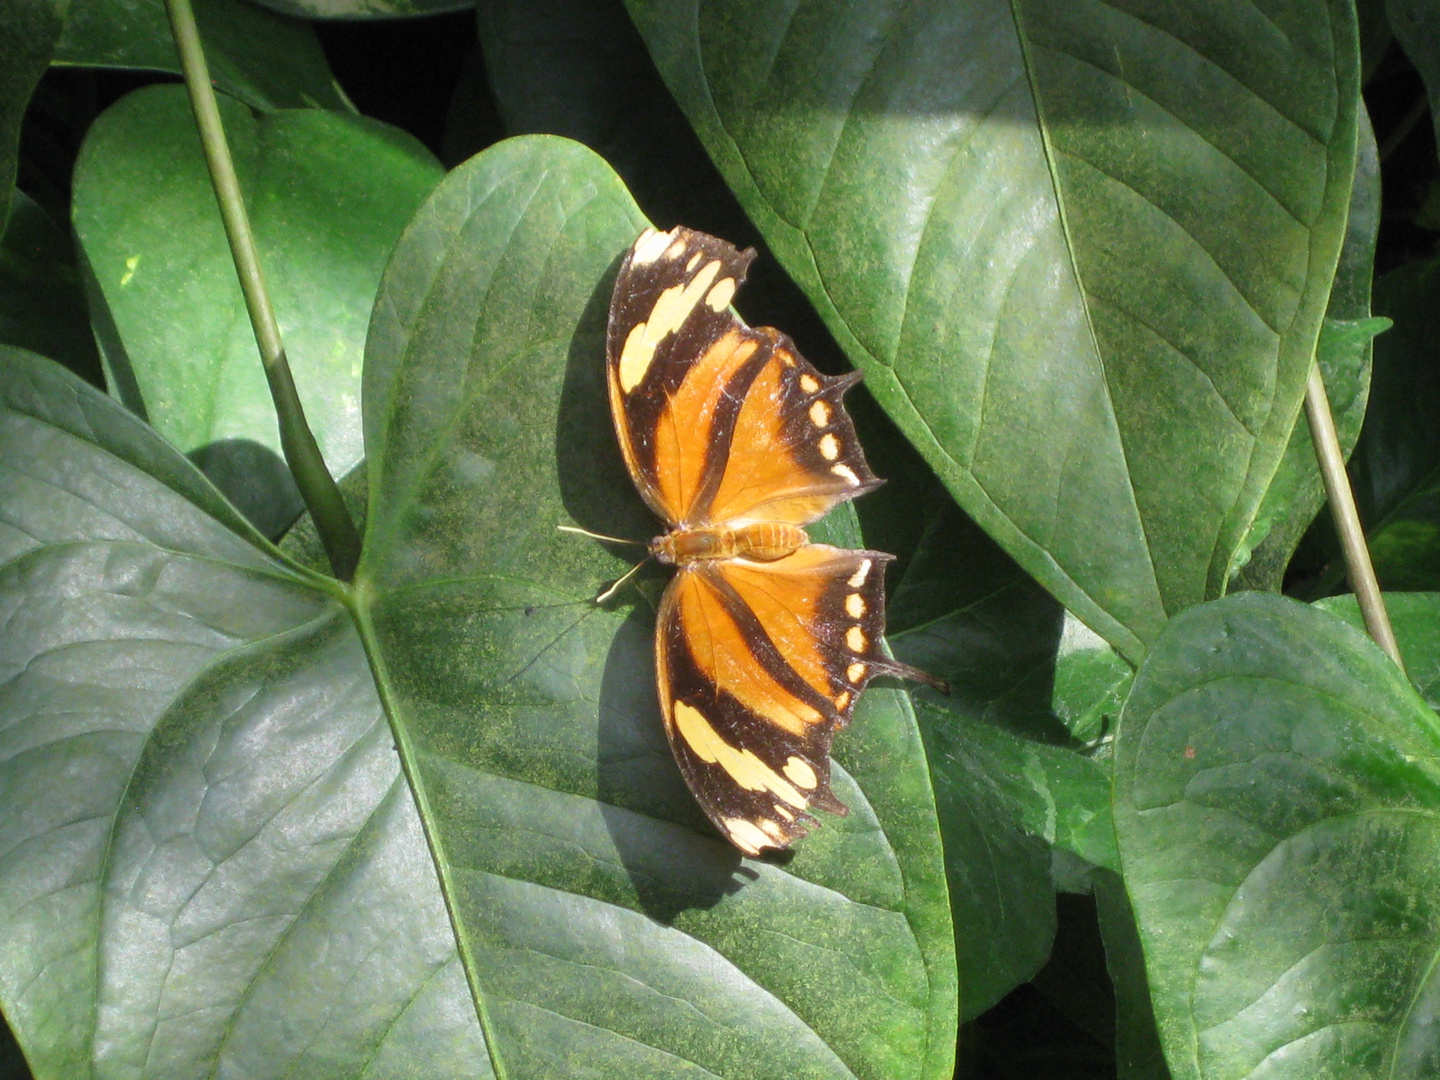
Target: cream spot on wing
[744,767]
[786,814]
[801,773]
[829,446]
[855,605]
[746,835]
[667,316]
[858,578]
[694,262]
[820,414]
[772,829]
[718,298]
[855,672]
[842,699]
[846,472]
[675,250]
[809,383]
[855,638]
[649,247]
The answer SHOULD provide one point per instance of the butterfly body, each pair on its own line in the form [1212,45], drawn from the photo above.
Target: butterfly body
[761,541]
[764,641]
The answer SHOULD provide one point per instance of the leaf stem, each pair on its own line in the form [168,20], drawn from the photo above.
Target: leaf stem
[317,487]
[1347,519]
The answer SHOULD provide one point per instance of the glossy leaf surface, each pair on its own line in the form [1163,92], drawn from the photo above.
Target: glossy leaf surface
[600,917]
[1343,352]
[266,60]
[328,195]
[211,864]
[1044,230]
[1277,804]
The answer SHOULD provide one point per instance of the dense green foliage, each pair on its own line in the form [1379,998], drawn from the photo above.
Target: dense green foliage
[256,821]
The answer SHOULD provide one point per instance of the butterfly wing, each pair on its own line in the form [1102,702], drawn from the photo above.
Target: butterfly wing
[759,665]
[720,422]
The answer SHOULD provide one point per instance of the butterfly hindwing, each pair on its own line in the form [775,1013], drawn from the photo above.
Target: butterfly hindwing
[719,421]
[759,665]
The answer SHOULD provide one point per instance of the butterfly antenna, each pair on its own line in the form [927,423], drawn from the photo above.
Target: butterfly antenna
[613,589]
[598,536]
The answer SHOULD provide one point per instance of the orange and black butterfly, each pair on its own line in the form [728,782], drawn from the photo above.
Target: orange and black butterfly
[763,640]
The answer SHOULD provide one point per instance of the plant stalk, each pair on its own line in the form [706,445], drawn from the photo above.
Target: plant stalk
[302,454]
[1347,518]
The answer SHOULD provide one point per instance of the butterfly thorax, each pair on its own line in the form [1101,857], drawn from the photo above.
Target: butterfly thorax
[762,541]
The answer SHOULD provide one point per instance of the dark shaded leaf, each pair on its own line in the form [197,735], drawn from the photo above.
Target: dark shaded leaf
[1277,804]
[601,918]
[42,302]
[266,60]
[364,9]
[1138,1054]
[28,34]
[1396,467]
[1416,25]
[1044,231]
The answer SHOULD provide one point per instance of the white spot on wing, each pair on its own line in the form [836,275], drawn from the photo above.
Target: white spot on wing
[718,299]
[649,247]
[819,414]
[809,383]
[829,446]
[858,578]
[855,638]
[847,473]
[800,772]
[746,835]
[855,605]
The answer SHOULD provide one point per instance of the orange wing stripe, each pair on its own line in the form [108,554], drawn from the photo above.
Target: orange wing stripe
[683,432]
[723,656]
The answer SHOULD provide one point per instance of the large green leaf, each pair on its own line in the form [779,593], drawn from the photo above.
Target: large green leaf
[1344,354]
[209,861]
[266,60]
[1277,803]
[1396,467]
[1045,230]
[606,929]
[328,196]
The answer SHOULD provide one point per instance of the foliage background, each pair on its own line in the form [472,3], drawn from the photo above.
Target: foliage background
[1020,763]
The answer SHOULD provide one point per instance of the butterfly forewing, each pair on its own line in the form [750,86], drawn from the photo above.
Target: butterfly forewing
[720,422]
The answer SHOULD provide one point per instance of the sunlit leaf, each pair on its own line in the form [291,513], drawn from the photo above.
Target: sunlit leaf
[1045,230]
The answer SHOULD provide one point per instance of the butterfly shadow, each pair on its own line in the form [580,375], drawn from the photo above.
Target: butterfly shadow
[674,858]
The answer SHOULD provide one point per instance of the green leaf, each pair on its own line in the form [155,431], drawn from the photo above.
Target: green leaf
[42,302]
[27,40]
[1396,467]
[600,917]
[1007,788]
[1277,804]
[211,863]
[1138,1054]
[1416,621]
[328,195]
[1343,352]
[1045,230]
[266,60]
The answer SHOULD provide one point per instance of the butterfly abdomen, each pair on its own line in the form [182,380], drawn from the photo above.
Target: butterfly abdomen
[762,541]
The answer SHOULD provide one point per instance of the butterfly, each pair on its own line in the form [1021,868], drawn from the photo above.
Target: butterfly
[763,640]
